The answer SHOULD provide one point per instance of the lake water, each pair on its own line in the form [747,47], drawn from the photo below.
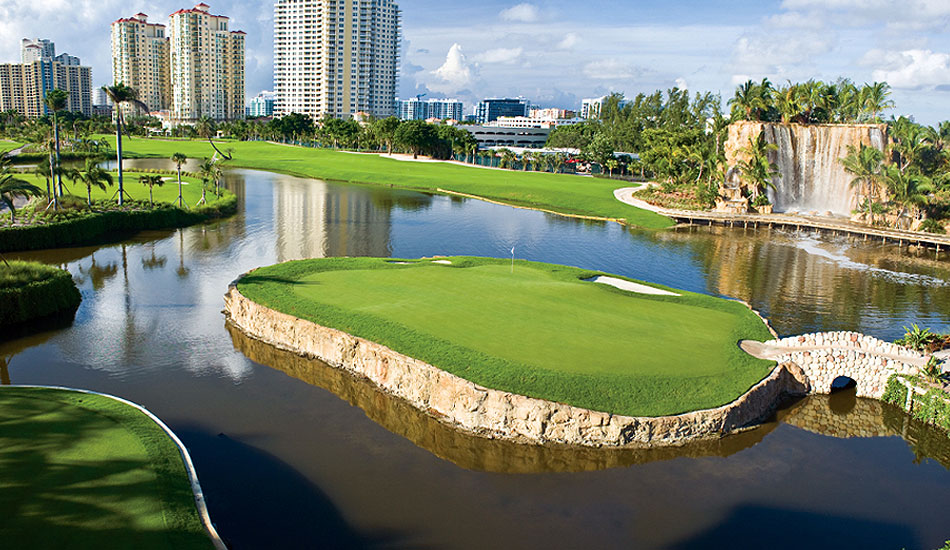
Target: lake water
[294,454]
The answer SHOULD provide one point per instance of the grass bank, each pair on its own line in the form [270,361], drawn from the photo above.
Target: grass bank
[78,225]
[541,331]
[86,471]
[567,194]
[31,290]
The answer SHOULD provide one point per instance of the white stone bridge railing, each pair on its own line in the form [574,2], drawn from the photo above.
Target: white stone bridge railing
[824,356]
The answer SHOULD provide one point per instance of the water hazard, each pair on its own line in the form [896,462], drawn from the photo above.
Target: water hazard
[292,453]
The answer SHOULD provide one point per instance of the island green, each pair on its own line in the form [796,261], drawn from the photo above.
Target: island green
[536,329]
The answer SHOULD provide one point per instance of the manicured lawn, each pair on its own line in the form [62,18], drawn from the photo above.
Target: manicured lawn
[541,331]
[7,145]
[84,471]
[191,188]
[558,192]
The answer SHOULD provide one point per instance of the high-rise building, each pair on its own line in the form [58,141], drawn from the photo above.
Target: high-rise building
[262,105]
[488,110]
[444,109]
[140,60]
[207,66]
[336,57]
[23,86]
[36,49]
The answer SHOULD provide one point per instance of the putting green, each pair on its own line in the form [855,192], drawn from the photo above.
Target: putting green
[541,330]
[86,471]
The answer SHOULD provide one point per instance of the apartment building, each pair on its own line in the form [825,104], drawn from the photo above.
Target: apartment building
[336,57]
[442,109]
[23,86]
[140,60]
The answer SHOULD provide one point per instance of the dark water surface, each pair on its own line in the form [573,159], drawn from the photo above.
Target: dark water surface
[294,454]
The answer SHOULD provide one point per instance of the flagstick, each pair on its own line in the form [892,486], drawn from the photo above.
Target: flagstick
[512,260]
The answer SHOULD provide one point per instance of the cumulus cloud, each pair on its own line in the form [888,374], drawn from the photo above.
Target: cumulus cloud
[681,83]
[456,73]
[915,14]
[909,69]
[570,40]
[500,55]
[522,13]
[611,69]
[780,55]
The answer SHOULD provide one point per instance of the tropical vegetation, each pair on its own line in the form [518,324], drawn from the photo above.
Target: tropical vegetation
[31,290]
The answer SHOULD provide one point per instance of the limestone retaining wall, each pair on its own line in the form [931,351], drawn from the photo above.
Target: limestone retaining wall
[824,356]
[496,414]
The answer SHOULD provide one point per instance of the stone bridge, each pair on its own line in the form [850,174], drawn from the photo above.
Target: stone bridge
[825,356]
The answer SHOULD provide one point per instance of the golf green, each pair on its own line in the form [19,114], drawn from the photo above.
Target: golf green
[534,329]
[86,471]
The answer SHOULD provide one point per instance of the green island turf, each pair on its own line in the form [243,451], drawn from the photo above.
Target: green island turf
[168,192]
[566,194]
[86,471]
[32,290]
[541,331]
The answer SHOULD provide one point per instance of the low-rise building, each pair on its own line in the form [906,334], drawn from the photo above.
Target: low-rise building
[441,109]
[488,110]
[495,136]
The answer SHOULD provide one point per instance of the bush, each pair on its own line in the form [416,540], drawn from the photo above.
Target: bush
[31,290]
[931,225]
[895,393]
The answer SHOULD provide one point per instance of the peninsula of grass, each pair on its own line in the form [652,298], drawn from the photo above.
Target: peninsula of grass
[87,471]
[561,193]
[31,290]
[542,330]
[78,224]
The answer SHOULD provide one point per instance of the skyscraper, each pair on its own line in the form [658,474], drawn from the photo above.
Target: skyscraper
[23,86]
[337,58]
[207,66]
[35,49]
[140,60]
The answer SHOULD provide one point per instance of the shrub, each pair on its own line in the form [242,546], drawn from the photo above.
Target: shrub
[931,225]
[918,338]
[895,393]
[31,290]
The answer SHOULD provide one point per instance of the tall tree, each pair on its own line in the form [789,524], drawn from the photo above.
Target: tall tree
[121,95]
[150,181]
[758,171]
[12,187]
[907,189]
[55,101]
[179,159]
[864,163]
[94,176]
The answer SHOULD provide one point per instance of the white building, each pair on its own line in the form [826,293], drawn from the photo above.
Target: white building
[591,108]
[441,109]
[262,105]
[207,67]
[36,49]
[336,58]
[140,60]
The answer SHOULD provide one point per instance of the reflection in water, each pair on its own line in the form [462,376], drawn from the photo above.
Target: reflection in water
[840,415]
[98,274]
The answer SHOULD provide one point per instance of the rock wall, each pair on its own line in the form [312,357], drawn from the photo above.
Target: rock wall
[824,356]
[810,176]
[496,414]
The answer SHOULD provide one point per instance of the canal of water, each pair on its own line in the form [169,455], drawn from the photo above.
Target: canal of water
[294,454]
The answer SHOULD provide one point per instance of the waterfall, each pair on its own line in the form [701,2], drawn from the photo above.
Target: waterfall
[811,179]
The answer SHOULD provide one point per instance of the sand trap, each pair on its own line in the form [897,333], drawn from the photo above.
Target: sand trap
[400,263]
[630,286]
[444,262]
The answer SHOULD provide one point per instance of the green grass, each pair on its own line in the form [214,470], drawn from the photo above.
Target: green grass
[85,471]
[7,145]
[19,274]
[190,189]
[31,290]
[566,194]
[541,331]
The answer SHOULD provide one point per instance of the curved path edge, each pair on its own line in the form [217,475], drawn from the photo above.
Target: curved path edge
[496,414]
[182,450]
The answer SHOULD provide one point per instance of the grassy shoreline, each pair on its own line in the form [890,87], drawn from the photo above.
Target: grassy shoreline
[31,290]
[83,470]
[542,332]
[567,194]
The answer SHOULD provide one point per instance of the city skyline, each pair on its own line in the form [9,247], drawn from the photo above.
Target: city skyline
[556,56]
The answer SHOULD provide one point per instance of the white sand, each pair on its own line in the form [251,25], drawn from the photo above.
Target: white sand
[444,262]
[631,287]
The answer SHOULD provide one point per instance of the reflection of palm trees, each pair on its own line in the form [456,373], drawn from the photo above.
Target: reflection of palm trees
[182,271]
[99,274]
[153,261]
[4,370]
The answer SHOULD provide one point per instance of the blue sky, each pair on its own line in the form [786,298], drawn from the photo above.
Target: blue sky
[557,52]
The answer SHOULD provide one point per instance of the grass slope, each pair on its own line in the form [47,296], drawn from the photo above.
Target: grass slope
[541,331]
[567,194]
[85,471]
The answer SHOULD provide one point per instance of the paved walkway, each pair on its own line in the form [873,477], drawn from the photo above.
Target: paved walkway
[771,352]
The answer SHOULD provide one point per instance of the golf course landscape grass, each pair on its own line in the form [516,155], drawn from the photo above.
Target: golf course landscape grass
[539,330]
[86,471]
[566,194]
[168,192]
[32,290]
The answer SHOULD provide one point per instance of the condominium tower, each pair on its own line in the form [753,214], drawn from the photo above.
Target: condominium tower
[336,57]
[23,86]
[207,66]
[140,60]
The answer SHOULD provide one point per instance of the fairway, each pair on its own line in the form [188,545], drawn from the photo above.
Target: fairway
[540,330]
[86,471]
[168,192]
[567,194]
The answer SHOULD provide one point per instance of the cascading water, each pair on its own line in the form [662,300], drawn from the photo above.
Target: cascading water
[810,179]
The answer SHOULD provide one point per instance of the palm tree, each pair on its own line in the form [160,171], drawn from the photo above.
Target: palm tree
[12,187]
[746,98]
[786,102]
[756,168]
[150,181]
[864,164]
[120,95]
[907,189]
[209,172]
[94,176]
[55,101]
[43,170]
[875,98]
[205,127]
[179,159]
[611,164]
[507,158]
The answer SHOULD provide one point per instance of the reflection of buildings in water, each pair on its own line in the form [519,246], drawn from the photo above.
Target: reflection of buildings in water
[313,221]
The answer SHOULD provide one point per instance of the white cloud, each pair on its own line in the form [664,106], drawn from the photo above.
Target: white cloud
[522,13]
[570,40]
[611,69]
[682,84]
[907,14]
[499,55]
[455,73]
[909,69]
[780,55]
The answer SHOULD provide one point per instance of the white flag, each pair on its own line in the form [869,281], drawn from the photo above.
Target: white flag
[512,251]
